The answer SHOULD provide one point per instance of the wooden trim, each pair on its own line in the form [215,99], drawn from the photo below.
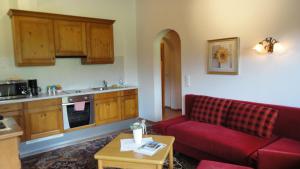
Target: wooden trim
[86,61]
[11,107]
[38,110]
[44,134]
[223,73]
[162,58]
[108,95]
[129,92]
[123,164]
[16,12]
[43,104]
[73,55]
[224,39]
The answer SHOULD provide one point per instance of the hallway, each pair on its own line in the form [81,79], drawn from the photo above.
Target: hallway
[169,113]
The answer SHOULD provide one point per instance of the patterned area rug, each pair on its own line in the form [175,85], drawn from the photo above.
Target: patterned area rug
[81,156]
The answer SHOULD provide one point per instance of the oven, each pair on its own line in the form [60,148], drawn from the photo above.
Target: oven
[74,117]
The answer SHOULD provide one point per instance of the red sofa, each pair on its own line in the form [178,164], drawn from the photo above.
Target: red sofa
[202,140]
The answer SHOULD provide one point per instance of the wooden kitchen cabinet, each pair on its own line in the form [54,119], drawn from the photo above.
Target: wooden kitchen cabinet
[130,107]
[116,106]
[43,118]
[70,38]
[33,41]
[100,43]
[107,110]
[15,111]
[41,37]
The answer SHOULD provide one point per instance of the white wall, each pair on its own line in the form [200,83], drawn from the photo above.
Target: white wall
[69,72]
[263,78]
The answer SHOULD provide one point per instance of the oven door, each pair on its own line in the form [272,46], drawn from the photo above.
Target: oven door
[73,118]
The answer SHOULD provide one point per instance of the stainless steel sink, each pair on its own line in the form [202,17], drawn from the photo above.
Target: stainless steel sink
[99,88]
[107,88]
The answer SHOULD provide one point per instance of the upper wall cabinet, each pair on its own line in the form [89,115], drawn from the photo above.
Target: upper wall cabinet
[33,41]
[40,37]
[100,43]
[70,38]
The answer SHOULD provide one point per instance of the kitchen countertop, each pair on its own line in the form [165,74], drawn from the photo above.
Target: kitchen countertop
[12,130]
[63,94]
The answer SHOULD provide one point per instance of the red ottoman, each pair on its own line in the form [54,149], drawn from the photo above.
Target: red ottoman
[204,164]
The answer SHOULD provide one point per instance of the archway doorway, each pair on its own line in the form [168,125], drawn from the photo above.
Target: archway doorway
[170,52]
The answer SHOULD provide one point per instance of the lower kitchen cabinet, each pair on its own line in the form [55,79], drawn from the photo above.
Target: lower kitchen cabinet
[107,110]
[43,118]
[15,111]
[116,106]
[130,107]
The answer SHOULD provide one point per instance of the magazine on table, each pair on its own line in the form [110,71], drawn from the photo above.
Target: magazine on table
[150,148]
[129,144]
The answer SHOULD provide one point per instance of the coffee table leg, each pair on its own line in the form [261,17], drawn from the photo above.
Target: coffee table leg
[100,165]
[171,165]
[159,167]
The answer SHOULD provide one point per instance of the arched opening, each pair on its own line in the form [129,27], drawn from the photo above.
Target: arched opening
[171,75]
[167,74]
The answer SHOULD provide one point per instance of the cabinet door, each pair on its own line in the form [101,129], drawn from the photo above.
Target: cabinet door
[15,111]
[100,44]
[43,123]
[130,107]
[107,110]
[70,38]
[33,41]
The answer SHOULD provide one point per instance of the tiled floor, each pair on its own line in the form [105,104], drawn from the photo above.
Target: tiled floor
[169,113]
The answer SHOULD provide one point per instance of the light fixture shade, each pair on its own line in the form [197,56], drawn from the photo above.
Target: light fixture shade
[278,48]
[269,45]
[259,48]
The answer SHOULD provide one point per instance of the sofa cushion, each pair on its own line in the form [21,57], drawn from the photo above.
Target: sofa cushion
[204,164]
[252,119]
[219,141]
[161,127]
[283,153]
[210,109]
[285,145]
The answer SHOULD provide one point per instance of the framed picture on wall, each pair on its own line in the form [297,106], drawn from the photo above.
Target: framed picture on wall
[223,56]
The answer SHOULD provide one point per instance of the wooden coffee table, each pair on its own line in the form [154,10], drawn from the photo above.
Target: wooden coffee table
[111,156]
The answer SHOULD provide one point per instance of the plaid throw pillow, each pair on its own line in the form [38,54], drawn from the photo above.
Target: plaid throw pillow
[210,110]
[252,119]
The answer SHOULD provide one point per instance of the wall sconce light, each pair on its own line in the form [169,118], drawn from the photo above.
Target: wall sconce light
[268,45]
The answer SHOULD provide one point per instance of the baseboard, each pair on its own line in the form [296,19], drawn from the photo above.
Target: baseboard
[166,107]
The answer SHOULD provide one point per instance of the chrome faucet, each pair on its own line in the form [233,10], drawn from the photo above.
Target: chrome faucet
[105,84]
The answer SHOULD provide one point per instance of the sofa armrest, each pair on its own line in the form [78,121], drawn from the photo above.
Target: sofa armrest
[271,159]
[161,127]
